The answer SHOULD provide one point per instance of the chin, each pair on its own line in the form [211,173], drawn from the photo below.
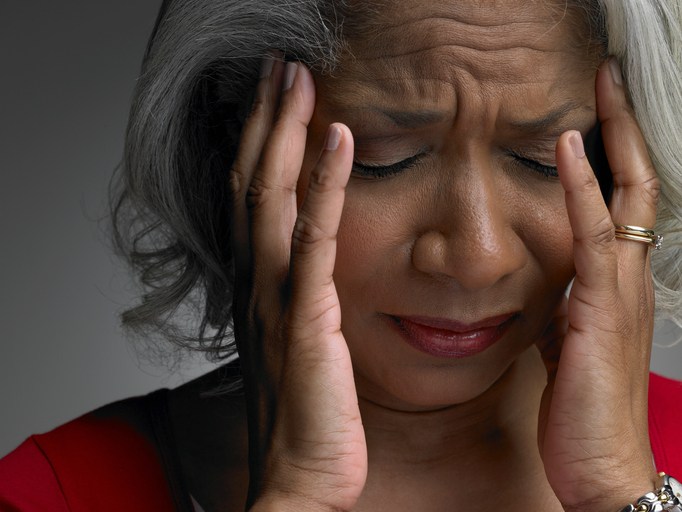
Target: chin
[420,387]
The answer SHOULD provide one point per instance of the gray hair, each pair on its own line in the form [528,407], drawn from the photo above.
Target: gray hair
[170,203]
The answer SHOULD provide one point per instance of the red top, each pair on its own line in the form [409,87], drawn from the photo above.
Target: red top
[99,463]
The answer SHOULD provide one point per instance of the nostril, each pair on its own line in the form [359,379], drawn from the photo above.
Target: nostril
[471,262]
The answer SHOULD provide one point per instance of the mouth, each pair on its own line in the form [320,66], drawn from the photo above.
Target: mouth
[446,338]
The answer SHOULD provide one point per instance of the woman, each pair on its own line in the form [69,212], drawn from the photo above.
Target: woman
[398,201]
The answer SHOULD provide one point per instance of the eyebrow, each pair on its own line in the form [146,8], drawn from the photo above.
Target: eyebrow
[413,118]
[551,119]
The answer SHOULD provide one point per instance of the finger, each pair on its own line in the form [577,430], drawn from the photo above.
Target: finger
[254,134]
[634,200]
[636,185]
[271,197]
[313,251]
[593,232]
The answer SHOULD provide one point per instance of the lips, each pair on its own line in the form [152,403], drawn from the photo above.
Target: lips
[451,339]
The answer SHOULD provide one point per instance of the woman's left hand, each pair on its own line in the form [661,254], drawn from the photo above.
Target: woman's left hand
[593,430]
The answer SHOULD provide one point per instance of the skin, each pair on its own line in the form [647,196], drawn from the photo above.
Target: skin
[342,413]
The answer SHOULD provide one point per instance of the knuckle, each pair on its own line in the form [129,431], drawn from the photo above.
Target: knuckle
[259,108]
[321,181]
[321,310]
[300,123]
[651,187]
[601,236]
[307,233]
[292,100]
[237,181]
[588,183]
[628,112]
[261,191]
[288,128]
[256,193]
[291,113]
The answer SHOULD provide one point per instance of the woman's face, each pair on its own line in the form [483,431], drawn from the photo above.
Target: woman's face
[454,214]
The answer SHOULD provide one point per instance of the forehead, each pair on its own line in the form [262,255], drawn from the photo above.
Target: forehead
[428,50]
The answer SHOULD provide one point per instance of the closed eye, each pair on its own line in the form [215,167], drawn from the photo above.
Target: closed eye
[371,171]
[548,171]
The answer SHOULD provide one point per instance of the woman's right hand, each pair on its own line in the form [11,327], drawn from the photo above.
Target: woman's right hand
[307,446]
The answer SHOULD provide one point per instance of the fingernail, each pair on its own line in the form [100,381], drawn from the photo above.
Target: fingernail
[289,75]
[333,138]
[266,66]
[616,73]
[576,141]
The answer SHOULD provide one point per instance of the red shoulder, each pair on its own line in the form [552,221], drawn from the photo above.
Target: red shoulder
[28,482]
[101,461]
[665,423]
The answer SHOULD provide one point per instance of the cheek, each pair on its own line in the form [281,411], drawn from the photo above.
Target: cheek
[369,231]
[374,243]
[544,227]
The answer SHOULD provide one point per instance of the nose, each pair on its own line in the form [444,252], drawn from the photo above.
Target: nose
[471,239]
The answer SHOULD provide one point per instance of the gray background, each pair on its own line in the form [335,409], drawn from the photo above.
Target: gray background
[68,69]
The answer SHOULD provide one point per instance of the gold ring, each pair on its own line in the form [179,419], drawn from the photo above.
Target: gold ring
[639,234]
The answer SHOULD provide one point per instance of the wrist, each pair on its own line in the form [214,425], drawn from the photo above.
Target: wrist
[667,497]
[282,503]
[614,503]
[617,494]
[291,487]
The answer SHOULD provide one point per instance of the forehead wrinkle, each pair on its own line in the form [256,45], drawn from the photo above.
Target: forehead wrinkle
[427,99]
[485,14]
[487,24]
[427,34]
[440,21]
[406,88]
[449,66]
[479,30]
[435,98]
[436,66]
[433,54]
[414,119]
